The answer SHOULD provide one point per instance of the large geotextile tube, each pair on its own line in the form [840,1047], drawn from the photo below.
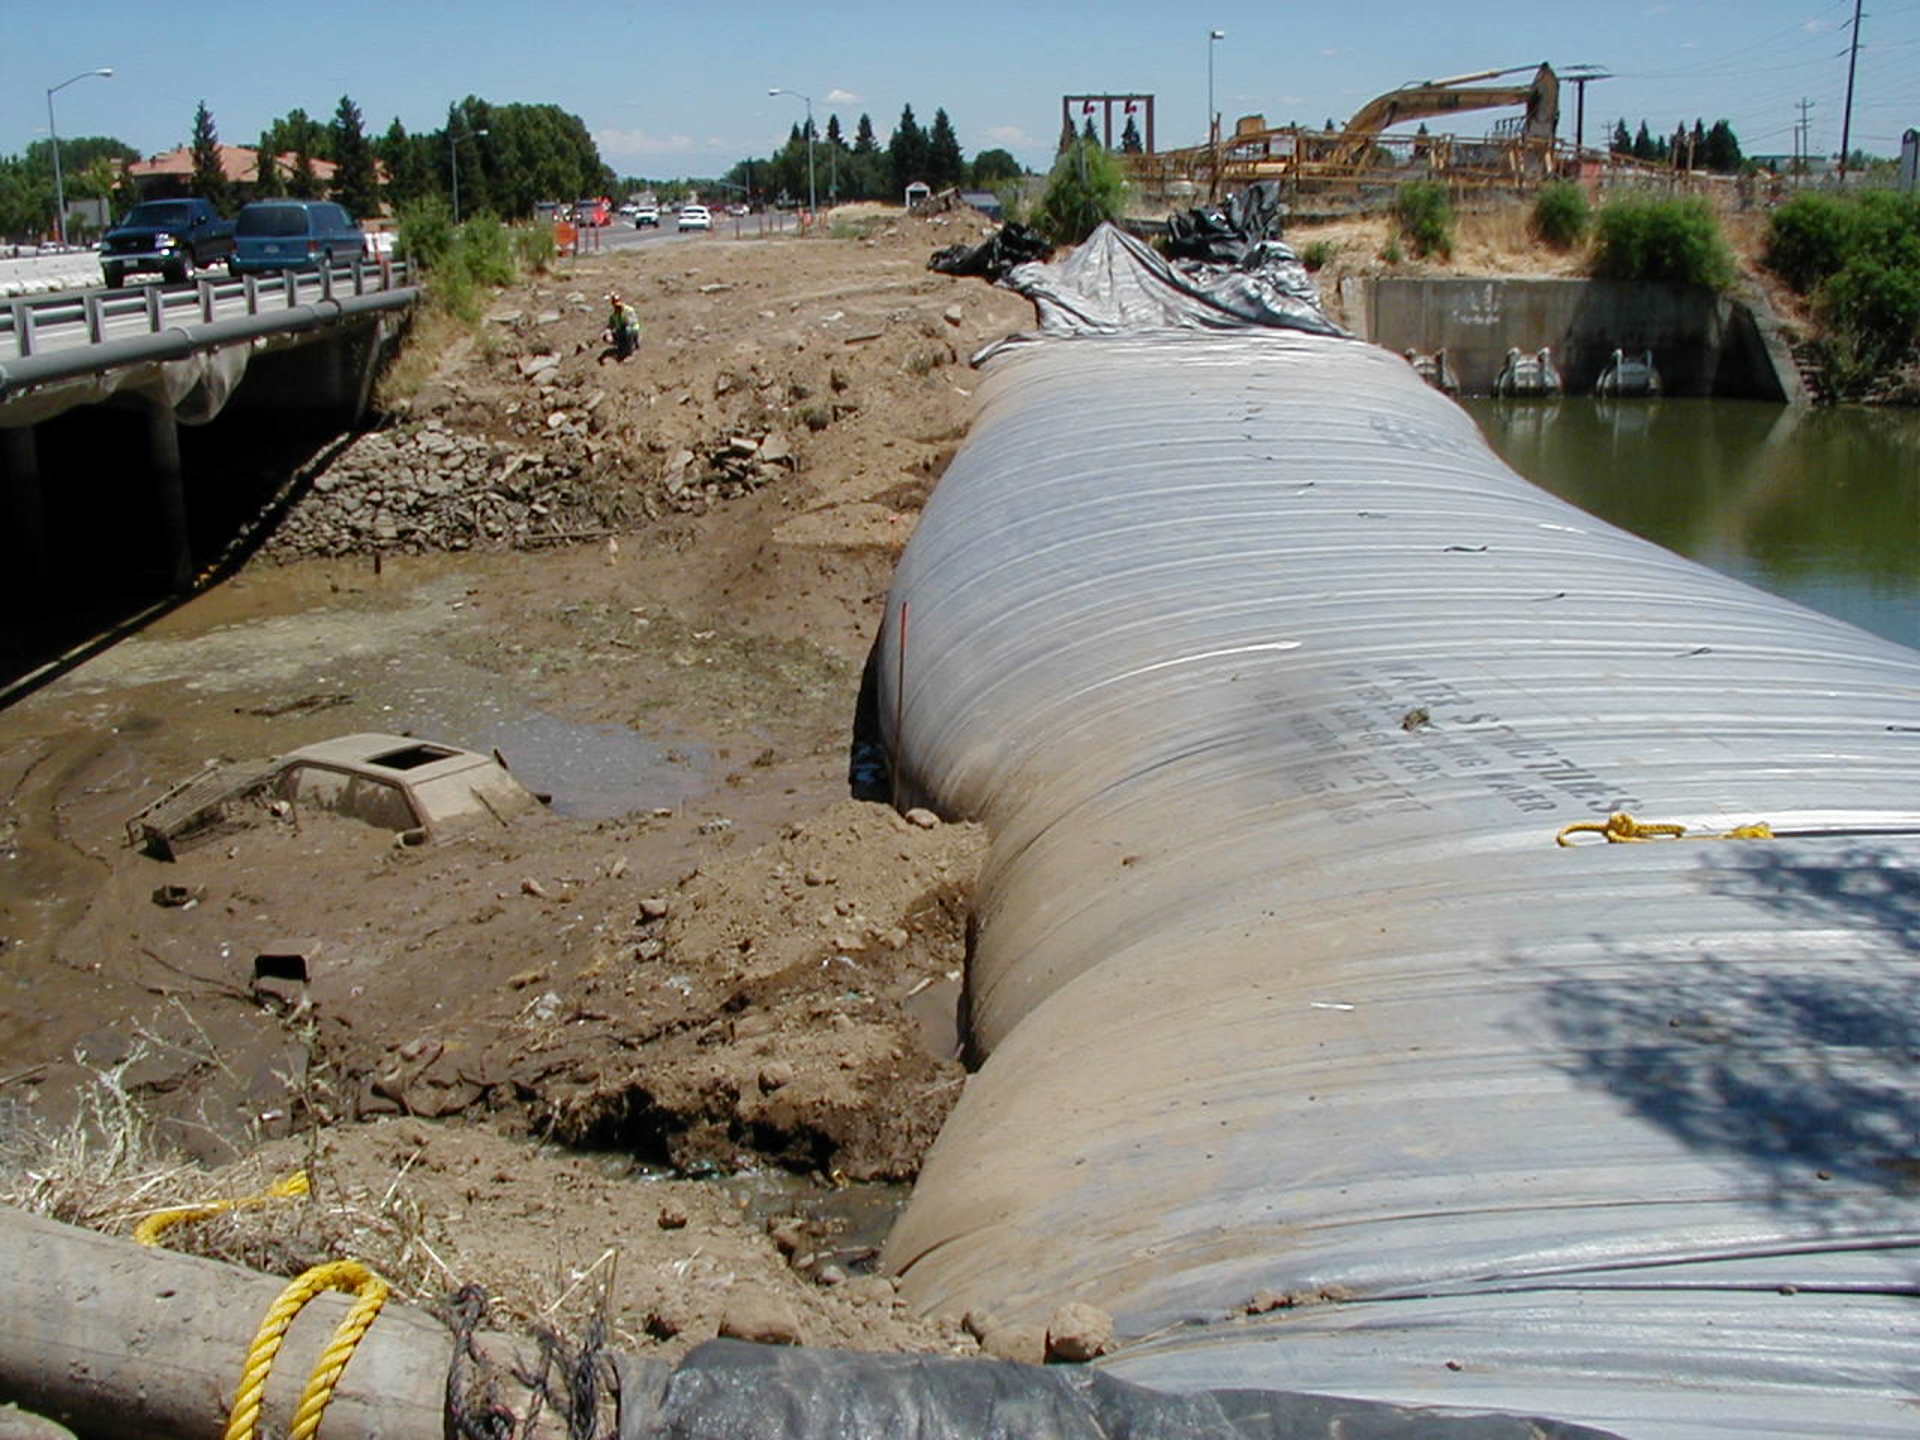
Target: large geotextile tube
[1275,687]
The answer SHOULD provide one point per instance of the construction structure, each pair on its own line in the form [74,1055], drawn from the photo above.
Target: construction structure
[1518,149]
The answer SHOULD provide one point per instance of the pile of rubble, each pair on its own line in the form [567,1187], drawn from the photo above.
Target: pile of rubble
[420,488]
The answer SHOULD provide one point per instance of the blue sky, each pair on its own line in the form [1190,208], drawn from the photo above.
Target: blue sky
[681,89]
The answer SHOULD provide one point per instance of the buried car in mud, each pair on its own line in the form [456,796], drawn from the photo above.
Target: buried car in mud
[417,788]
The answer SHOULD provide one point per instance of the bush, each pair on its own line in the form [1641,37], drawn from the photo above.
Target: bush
[1085,187]
[1675,241]
[1317,254]
[425,232]
[533,248]
[1425,217]
[1560,215]
[484,250]
[1809,238]
[1871,313]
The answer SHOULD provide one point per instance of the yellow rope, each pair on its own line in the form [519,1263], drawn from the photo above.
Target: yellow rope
[345,1275]
[1621,828]
[149,1230]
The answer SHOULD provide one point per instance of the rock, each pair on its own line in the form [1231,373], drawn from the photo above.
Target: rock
[530,886]
[672,1217]
[760,1318]
[979,1323]
[869,1290]
[535,365]
[776,448]
[526,978]
[925,819]
[1026,1344]
[507,317]
[654,907]
[788,1234]
[953,314]
[830,1275]
[1077,1332]
[18,1424]
[775,1075]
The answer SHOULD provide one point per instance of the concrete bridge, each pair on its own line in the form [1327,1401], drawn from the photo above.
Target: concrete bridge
[306,342]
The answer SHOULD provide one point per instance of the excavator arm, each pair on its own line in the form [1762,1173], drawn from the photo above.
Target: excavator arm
[1422,98]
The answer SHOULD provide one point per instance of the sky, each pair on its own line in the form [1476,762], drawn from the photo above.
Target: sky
[681,89]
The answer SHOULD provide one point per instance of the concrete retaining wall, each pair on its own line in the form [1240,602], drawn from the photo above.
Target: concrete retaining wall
[1704,344]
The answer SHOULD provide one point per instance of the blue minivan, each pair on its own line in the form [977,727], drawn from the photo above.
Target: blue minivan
[294,235]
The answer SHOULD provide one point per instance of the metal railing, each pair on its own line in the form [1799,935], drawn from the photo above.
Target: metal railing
[28,325]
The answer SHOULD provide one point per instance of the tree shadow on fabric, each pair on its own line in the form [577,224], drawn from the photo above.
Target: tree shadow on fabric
[1793,1048]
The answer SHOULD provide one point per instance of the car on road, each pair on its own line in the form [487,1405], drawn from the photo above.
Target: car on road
[295,235]
[647,216]
[593,211]
[694,217]
[174,237]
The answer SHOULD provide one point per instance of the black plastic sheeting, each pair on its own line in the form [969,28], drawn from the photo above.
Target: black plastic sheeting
[1228,234]
[993,257]
[728,1390]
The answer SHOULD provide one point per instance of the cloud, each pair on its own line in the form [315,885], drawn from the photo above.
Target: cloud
[639,142]
[1328,54]
[1010,136]
[837,96]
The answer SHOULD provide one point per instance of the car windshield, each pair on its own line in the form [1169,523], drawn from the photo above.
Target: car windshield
[273,220]
[161,212]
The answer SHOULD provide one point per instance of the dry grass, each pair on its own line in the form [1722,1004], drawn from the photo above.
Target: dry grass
[433,339]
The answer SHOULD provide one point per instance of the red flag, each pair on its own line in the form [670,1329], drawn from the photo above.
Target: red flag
[1087,109]
[1129,107]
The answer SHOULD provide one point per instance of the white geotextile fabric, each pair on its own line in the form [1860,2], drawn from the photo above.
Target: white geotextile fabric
[1274,686]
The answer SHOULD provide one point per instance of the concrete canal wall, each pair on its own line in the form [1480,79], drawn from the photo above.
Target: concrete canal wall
[1704,344]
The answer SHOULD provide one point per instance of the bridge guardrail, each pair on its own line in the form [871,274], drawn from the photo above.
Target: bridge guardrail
[23,321]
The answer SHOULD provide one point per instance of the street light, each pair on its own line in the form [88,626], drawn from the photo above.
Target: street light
[1213,126]
[811,207]
[59,188]
[453,163]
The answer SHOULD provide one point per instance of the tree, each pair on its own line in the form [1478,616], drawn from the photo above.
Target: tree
[1130,138]
[1087,133]
[1085,187]
[295,131]
[945,164]
[907,151]
[834,137]
[993,167]
[1067,136]
[408,178]
[1723,149]
[1622,139]
[267,184]
[864,142]
[209,179]
[355,183]
[1643,147]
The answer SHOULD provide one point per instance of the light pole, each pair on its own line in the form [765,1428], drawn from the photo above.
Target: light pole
[1213,127]
[453,163]
[59,188]
[811,207]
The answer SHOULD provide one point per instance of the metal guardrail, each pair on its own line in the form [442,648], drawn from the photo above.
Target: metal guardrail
[30,325]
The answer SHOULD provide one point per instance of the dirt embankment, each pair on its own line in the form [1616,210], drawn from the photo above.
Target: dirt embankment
[517,1046]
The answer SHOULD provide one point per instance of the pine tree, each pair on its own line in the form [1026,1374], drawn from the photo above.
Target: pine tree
[946,165]
[267,182]
[1086,132]
[209,180]
[302,184]
[834,137]
[1622,138]
[1130,138]
[907,151]
[1643,144]
[356,185]
[1067,136]
[1723,149]
[864,142]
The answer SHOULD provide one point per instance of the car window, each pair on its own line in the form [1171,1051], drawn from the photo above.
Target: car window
[338,218]
[272,220]
[161,212]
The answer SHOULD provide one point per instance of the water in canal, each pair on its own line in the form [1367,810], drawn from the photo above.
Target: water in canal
[1819,506]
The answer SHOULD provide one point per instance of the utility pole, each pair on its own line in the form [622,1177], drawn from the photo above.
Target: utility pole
[1846,120]
[1802,137]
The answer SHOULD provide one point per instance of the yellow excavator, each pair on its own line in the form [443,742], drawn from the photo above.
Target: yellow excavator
[1418,99]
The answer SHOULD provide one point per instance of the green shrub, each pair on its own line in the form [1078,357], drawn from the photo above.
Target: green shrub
[1889,227]
[1560,215]
[425,232]
[1871,314]
[1390,252]
[1675,241]
[1425,217]
[1085,187]
[1317,254]
[485,251]
[1809,238]
[533,248]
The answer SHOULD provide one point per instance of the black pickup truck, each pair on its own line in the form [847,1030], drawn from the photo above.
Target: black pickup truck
[175,237]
